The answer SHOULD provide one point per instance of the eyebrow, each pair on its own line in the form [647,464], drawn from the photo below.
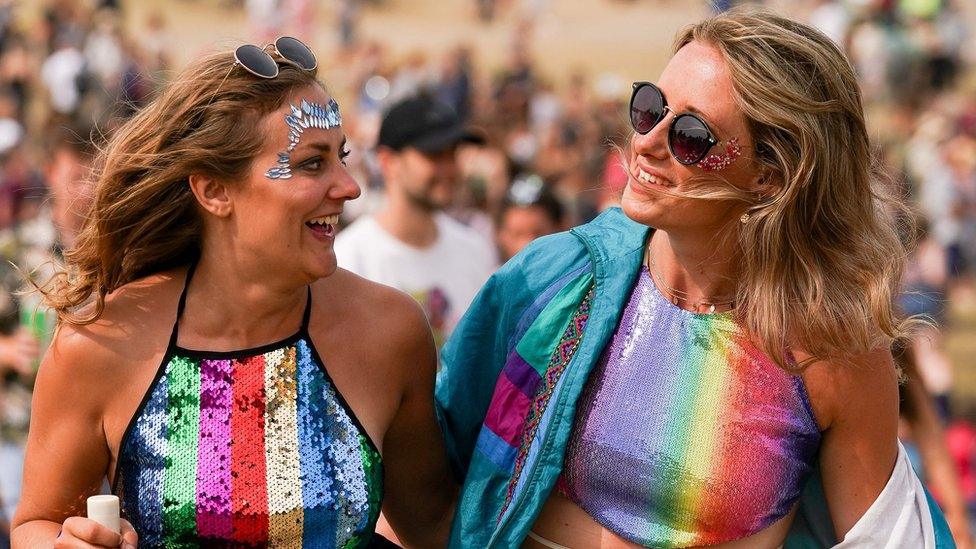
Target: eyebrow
[324,146]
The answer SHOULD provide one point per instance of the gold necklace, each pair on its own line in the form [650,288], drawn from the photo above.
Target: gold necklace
[675,295]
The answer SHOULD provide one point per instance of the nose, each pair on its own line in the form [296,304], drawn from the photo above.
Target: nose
[346,187]
[655,142]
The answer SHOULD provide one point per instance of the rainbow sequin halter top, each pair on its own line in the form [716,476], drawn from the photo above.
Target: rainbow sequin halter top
[248,448]
[686,434]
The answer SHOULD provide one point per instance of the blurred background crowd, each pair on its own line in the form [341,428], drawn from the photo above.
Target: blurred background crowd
[546,80]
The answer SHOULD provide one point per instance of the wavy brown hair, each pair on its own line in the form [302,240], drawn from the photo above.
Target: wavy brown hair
[821,257]
[144,218]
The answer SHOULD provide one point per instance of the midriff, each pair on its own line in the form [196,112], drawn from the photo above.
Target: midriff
[565,523]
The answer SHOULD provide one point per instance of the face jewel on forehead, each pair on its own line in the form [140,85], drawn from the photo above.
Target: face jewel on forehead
[306,115]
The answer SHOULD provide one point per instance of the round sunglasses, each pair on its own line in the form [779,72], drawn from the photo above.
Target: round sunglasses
[259,62]
[689,138]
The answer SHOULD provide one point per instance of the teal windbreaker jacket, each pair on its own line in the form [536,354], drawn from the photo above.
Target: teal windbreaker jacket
[515,365]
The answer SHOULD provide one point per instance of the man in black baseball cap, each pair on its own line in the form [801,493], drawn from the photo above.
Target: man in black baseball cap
[426,124]
[410,243]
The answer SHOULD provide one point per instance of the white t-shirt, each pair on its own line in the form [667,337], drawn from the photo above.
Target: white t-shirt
[443,278]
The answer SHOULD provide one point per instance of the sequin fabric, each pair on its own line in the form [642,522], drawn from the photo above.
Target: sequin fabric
[686,434]
[248,450]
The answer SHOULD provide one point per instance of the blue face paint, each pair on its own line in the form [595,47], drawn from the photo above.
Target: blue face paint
[308,115]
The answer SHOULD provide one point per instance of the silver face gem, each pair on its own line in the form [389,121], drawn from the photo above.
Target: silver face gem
[307,115]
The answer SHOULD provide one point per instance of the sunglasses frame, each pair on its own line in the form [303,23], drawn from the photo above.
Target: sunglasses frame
[712,140]
[276,51]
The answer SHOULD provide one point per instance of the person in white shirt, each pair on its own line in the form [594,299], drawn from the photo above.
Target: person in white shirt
[411,244]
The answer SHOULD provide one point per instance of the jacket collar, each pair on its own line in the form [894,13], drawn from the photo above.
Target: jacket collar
[613,239]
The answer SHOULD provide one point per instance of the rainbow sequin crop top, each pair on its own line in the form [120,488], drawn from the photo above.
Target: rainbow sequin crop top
[686,434]
[248,449]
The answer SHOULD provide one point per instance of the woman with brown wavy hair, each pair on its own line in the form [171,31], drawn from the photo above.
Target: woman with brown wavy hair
[680,372]
[211,361]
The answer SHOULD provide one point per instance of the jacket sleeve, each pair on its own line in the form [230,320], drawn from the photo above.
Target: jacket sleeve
[470,363]
[475,354]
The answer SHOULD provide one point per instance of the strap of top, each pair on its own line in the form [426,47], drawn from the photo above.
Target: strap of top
[306,315]
[308,310]
[182,305]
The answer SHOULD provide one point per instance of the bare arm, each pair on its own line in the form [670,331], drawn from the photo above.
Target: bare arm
[419,491]
[857,404]
[67,454]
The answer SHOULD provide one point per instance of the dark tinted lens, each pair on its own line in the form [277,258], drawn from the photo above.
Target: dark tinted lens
[689,139]
[256,60]
[646,108]
[295,51]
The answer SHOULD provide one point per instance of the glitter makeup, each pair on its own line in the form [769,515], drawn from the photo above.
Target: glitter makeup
[307,115]
[714,162]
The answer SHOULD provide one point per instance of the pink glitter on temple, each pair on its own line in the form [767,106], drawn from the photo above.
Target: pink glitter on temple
[714,162]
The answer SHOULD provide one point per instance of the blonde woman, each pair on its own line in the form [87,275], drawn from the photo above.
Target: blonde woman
[681,371]
[233,385]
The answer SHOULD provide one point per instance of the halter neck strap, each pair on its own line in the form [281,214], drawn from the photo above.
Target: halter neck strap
[181,306]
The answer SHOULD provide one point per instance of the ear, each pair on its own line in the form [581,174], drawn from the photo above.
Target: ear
[211,194]
[387,160]
[767,183]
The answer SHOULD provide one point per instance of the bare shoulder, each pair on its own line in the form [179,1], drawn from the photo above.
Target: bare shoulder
[865,386]
[381,313]
[376,345]
[134,323]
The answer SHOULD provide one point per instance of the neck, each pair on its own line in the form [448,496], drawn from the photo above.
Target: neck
[695,264]
[235,304]
[408,222]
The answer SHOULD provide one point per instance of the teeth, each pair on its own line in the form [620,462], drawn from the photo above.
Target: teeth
[648,178]
[325,220]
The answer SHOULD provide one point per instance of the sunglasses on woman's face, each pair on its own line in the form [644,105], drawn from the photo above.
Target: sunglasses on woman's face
[259,62]
[689,138]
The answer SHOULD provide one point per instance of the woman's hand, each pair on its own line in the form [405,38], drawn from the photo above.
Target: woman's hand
[78,532]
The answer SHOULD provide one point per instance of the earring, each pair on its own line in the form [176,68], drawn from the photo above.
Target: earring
[745,218]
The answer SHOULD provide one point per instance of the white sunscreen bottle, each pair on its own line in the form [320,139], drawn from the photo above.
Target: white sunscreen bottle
[105,511]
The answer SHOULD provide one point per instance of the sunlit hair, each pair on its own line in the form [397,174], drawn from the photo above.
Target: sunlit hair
[821,257]
[144,219]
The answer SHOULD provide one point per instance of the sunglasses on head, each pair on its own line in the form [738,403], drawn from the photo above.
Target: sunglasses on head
[259,62]
[689,138]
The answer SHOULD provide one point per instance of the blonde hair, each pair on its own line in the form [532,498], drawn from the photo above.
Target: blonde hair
[144,218]
[821,257]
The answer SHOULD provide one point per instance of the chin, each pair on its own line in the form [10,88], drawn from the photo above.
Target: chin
[646,212]
[321,267]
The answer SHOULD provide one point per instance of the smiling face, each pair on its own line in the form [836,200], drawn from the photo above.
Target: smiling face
[290,222]
[696,80]
[427,180]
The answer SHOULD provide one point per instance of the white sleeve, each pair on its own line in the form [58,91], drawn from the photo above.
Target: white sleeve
[900,517]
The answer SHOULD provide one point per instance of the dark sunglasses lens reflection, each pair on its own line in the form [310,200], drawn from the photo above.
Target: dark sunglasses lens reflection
[296,51]
[257,61]
[689,139]
[646,108]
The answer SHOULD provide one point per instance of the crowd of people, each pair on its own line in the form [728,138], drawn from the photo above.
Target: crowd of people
[536,157]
